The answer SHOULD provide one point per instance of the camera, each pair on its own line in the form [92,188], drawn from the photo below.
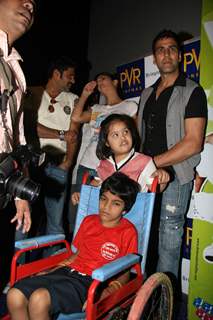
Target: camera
[12,181]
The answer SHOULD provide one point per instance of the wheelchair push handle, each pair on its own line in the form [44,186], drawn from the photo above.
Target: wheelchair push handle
[154,185]
[85,177]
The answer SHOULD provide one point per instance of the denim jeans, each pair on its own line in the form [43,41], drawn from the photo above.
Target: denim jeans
[55,198]
[175,201]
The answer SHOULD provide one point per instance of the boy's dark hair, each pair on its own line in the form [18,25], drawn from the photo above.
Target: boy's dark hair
[61,64]
[164,34]
[102,150]
[122,186]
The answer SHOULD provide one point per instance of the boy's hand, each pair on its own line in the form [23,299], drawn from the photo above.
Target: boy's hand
[66,262]
[41,273]
[75,198]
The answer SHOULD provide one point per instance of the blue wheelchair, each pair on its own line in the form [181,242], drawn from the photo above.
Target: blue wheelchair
[137,299]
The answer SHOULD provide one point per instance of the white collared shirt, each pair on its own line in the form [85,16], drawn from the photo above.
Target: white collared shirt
[145,180]
[12,59]
[59,119]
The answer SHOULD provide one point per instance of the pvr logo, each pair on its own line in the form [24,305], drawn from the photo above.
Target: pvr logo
[131,76]
[189,58]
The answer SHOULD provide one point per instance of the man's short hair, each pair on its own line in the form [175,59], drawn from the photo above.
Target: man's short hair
[61,64]
[164,34]
[122,186]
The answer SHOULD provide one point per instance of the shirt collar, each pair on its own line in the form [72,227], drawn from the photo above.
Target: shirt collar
[58,98]
[4,52]
[180,81]
[119,164]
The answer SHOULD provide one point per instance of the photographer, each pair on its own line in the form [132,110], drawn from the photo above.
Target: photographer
[16,18]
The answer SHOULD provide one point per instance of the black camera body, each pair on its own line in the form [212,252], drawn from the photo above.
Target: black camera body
[12,181]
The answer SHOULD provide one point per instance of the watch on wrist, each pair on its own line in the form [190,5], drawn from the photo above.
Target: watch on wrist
[61,135]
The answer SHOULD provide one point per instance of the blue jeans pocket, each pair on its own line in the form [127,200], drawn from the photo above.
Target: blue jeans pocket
[55,181]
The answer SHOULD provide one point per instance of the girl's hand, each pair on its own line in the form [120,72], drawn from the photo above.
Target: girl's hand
[89,88]
[96,182]
[75,198]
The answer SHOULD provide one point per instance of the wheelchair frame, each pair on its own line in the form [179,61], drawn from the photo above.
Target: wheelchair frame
[95,309]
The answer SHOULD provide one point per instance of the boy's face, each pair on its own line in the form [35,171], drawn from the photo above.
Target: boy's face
[111,208]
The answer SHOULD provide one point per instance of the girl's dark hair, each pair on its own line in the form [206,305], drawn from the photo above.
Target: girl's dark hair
[122,186]
[102,150]
[112,76]
[164,34]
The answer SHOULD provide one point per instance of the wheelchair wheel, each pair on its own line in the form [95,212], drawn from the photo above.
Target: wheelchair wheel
[154,300]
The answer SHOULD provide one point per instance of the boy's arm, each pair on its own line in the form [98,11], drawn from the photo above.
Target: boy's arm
[64,263]
[116,284]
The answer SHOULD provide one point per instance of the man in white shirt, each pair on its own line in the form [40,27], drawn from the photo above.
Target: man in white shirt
[57,136]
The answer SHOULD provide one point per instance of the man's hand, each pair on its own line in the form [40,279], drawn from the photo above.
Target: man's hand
[65,165]
[163,176]
[23,216]
[71,136]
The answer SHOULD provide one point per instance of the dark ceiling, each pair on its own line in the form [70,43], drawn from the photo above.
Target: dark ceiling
[60,28]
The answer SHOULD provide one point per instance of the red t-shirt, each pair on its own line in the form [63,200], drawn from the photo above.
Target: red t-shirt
[98,245]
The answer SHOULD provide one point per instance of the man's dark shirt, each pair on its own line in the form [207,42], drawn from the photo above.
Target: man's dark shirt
[155,112]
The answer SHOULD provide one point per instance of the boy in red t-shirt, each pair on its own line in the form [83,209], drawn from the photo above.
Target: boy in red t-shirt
[101,238]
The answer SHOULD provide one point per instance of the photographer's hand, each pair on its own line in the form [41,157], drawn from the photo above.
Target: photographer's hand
[23,216]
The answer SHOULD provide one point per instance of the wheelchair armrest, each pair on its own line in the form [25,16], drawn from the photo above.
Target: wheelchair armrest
[111,269]
[37,241]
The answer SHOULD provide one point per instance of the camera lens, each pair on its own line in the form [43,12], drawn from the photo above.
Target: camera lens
[23,188]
